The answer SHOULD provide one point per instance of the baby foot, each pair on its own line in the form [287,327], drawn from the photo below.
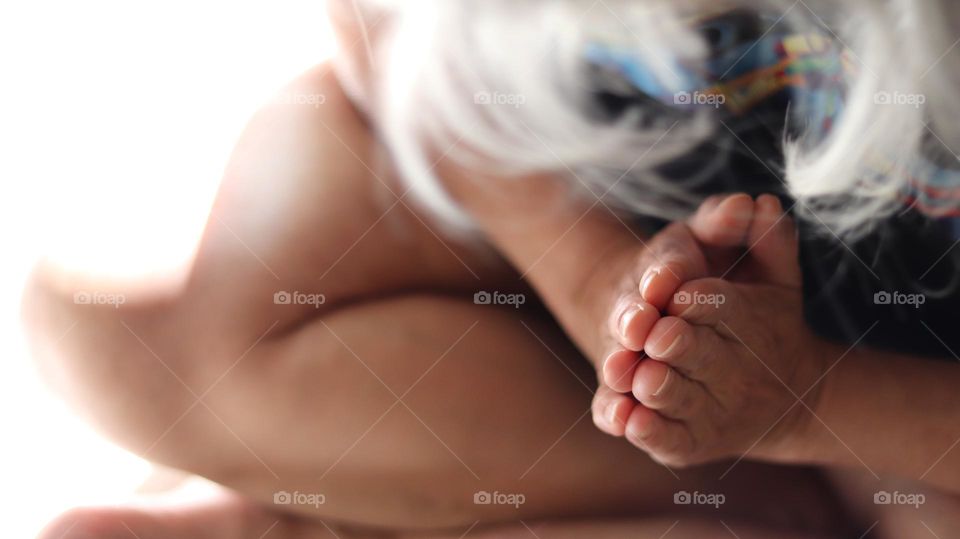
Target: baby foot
[729,364]
[680,253]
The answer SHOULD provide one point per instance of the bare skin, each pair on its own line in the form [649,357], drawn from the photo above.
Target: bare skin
[315,373]
[909,399]
[611,308]
[856,393]
[297,398]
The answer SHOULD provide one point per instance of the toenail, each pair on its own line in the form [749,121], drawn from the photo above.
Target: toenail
[611,413]
[647,279]
[670,349]
[688,311]
[636,436]
[663,385]
[627,316]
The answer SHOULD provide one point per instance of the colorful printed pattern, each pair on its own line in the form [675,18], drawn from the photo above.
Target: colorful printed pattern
[811,66]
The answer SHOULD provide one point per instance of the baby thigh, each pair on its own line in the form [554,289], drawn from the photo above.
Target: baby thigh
[427,412]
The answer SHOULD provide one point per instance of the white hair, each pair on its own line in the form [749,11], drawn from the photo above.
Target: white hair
[438,62]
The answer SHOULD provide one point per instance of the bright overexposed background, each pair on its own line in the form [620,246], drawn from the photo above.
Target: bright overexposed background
[116,118]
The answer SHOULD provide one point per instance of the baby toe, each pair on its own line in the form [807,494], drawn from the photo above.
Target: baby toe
[611,411]
[618,369]
[724,221]
[705,302]
[666,441]
[669,341]
[675,257]
[632,320]
[774,245]
[659,387]
[689,349]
